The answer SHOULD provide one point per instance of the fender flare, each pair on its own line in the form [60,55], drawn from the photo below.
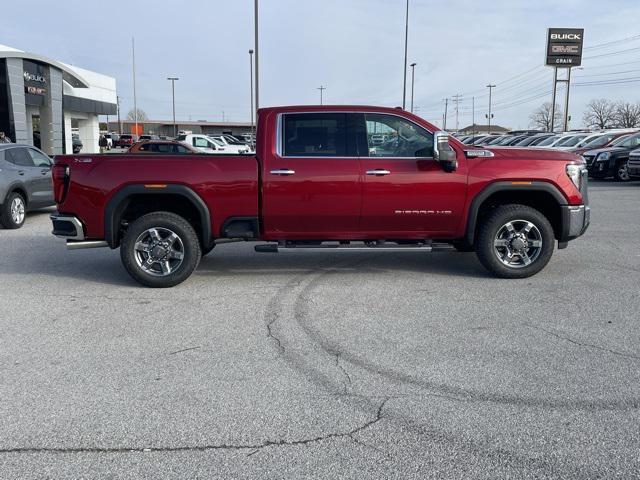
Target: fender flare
[120,200]
[495,187]
[16,185]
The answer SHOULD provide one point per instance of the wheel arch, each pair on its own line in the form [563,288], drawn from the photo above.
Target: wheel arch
[17,187]
[542,196]
[138,200]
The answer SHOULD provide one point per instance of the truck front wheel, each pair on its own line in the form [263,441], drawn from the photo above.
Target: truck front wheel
[160,249]
[515,241]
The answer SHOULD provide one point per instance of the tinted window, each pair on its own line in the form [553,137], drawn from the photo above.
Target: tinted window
[20,157]
[400,137]
[181,149]
[573,141]
[39,159]
[628,141]
[144,147]
[161,147]
[315,135]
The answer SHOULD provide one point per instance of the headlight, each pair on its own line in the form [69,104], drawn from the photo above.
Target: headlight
[603,156]
[574,172]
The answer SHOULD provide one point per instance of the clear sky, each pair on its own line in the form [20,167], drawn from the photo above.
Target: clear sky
[352,47]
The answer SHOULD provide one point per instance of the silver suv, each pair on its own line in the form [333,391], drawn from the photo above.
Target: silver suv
[25,182]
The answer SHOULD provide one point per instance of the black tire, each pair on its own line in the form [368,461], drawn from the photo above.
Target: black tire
[189,247]
[494,224]
[621,174]
[6,217]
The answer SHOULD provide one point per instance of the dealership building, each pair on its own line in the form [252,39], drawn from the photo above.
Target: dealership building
[45,102]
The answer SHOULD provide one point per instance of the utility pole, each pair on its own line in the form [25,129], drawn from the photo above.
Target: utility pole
[118,109]
[173,99]
[135,98]
[413,77]
[444,118]
[321,88]
[490,87]
[566,101]
[473,116]
[406,40]
[255,20]
[251,83]
[456,98]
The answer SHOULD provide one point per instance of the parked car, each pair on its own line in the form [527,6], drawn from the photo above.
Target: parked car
[203,143]
[126,140]
[597,140]
[611,161]
[308,190]
[229,146]
[76,144]
[25,182]
[514,140]
[532,140]
[148,137]
[567,142]
[162,146]
[633,165]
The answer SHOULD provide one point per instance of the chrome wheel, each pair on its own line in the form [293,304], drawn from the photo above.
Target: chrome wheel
[159,251]
[518,243]
[623,173]
[17,210]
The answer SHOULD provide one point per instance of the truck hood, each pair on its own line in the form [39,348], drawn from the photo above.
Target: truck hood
[532,153]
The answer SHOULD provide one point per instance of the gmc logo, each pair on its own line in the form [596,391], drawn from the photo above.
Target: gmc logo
[571,49]
[565,36]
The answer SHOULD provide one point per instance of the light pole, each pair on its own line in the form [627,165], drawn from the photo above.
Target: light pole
[406,40]
[173,99]
[490,87]
[251,83]
[255,20]
[322,89]
[413,77]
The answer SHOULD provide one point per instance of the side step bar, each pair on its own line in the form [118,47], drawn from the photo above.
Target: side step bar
[340,247]
[75,245]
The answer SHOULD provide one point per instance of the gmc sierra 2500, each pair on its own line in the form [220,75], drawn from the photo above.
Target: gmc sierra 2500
[322,179]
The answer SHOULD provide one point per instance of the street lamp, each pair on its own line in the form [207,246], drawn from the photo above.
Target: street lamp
[413,71]
[173,98]
[406,40]
[251,83]
[490,87]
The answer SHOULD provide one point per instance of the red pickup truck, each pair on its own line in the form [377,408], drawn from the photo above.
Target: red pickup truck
[330,177]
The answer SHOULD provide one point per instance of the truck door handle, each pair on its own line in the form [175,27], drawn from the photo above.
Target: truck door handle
[379,172]
[20,172]
[283,171]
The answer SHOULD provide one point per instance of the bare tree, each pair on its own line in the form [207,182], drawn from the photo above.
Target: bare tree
[600,113]
[627,115]
[142,116]
[541,117]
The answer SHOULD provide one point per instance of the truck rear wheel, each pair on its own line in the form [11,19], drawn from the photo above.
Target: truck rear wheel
[160,249]
[515,241]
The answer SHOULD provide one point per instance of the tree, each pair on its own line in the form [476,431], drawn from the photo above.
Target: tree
[600,113]
[142,116]
[541,118]
[627,115]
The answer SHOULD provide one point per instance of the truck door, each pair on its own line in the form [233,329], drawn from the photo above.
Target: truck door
[405,191]
[311,181]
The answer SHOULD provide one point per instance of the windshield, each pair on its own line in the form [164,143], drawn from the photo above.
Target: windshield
[627,141]
[548,141]
[506,140]
[217,142]
[601,141]
[571,141]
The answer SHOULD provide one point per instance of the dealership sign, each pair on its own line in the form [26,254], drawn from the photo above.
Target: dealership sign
[34,77]
[564,47]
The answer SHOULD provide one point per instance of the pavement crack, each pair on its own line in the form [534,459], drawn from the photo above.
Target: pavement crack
[183,350]
[582,344]
[203,448]
[346,384]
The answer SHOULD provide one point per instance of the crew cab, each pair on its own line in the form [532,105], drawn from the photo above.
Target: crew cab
[319,180]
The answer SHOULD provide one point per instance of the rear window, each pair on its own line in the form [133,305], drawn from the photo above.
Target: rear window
[315,135]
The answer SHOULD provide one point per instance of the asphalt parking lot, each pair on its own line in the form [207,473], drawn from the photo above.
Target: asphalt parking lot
[310,365]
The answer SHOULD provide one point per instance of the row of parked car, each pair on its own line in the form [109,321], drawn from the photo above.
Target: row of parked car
[190,143]
[607,153]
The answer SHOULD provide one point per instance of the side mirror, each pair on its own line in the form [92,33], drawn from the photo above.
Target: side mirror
[443,153]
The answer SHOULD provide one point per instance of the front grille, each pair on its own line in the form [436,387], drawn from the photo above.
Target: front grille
[584,186]
[634,160]
[589,159]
